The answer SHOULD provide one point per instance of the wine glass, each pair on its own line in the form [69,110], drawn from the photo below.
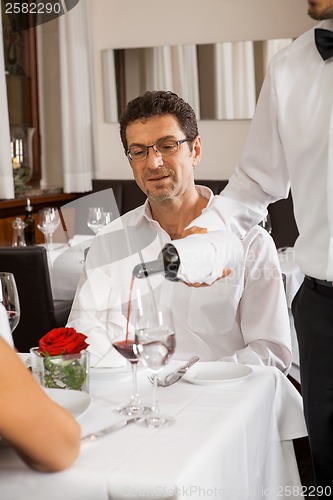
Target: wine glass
[49,221]
[125,347]
[96,219]
[108,217]
[10,299]
[155,342]
[266,223]
[134,407]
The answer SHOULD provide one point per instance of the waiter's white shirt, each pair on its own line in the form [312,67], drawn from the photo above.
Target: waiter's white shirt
[242,318]
[290,143]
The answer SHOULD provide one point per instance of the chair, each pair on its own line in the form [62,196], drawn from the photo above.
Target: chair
[39,312]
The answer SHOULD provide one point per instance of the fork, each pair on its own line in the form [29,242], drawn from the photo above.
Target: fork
[173,377]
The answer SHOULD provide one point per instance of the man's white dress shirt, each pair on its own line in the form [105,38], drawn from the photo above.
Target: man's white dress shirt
[243,318]
[290,143]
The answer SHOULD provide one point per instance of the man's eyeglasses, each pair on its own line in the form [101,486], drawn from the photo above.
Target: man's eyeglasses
[163,147]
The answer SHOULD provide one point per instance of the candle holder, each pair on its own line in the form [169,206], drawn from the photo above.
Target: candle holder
[22,156]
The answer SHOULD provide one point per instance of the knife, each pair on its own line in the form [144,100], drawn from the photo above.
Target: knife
[103,432]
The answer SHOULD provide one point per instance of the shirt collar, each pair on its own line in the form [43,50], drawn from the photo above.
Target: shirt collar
[145,211]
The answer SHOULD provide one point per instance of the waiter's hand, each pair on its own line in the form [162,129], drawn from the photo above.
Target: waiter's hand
[193,230]
[201,230]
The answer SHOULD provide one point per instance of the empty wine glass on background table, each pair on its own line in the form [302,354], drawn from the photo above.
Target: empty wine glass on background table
[10,299]
[48,222]
[155,342]
[96,219]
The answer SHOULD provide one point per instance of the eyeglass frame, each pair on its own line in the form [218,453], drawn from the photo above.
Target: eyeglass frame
[156,151]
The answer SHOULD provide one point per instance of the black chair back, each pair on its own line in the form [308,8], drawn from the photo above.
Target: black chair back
[38,310]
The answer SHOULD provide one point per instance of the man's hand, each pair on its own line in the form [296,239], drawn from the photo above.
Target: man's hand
[201,230]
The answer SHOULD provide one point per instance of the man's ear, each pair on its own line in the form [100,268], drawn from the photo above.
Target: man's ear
[196,151]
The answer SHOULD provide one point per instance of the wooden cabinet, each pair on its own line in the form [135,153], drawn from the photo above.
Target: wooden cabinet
[9,209]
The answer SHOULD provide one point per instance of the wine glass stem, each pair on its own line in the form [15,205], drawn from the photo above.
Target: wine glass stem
[135,395]
[155,403]
[49,241]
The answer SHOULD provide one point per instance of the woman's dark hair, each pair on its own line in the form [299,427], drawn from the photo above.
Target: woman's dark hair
[159,102]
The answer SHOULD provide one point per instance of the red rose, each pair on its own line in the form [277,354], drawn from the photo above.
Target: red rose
[62,341]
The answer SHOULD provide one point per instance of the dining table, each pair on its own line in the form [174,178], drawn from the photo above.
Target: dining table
[231,439]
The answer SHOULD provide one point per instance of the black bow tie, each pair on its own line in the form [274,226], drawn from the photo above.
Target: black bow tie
[324,42]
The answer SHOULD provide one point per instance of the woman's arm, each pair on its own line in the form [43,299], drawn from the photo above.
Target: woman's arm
[45,435]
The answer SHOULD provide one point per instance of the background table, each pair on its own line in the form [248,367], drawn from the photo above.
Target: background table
[230,441]
[66,265]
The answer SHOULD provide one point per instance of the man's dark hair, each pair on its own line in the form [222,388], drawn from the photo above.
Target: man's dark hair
[159,102]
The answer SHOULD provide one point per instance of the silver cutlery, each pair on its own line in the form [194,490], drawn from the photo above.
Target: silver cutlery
[114,427]
[173,377]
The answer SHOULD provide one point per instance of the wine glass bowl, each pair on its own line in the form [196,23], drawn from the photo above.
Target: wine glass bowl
[125,348]
[97,218]
[154,347]
[10,299]
[48,222]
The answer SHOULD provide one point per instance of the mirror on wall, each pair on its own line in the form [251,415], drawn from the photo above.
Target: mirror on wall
[221,81]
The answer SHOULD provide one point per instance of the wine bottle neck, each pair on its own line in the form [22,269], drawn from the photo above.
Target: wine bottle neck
[146,269]
[168,264]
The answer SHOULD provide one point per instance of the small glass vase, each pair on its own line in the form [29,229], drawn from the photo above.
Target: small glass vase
[68,371]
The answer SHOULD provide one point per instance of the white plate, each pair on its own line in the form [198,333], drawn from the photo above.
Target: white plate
[107,373]
[215,372]
[76,402]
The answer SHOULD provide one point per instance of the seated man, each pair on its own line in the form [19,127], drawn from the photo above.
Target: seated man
[242,318]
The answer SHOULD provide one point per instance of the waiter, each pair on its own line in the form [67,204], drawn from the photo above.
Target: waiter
[290,144]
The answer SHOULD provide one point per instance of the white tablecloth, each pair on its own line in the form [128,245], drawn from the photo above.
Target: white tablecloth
[230,441]
[294,279]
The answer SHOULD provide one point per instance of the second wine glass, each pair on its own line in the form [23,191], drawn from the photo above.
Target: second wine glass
[155,342]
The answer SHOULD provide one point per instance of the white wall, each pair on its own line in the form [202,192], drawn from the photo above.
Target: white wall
[116,24]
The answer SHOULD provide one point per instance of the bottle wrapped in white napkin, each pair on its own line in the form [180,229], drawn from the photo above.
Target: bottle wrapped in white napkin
[204,256]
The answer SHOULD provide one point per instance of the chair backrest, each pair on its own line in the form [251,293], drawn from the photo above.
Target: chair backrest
[128,195]
[30,268]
